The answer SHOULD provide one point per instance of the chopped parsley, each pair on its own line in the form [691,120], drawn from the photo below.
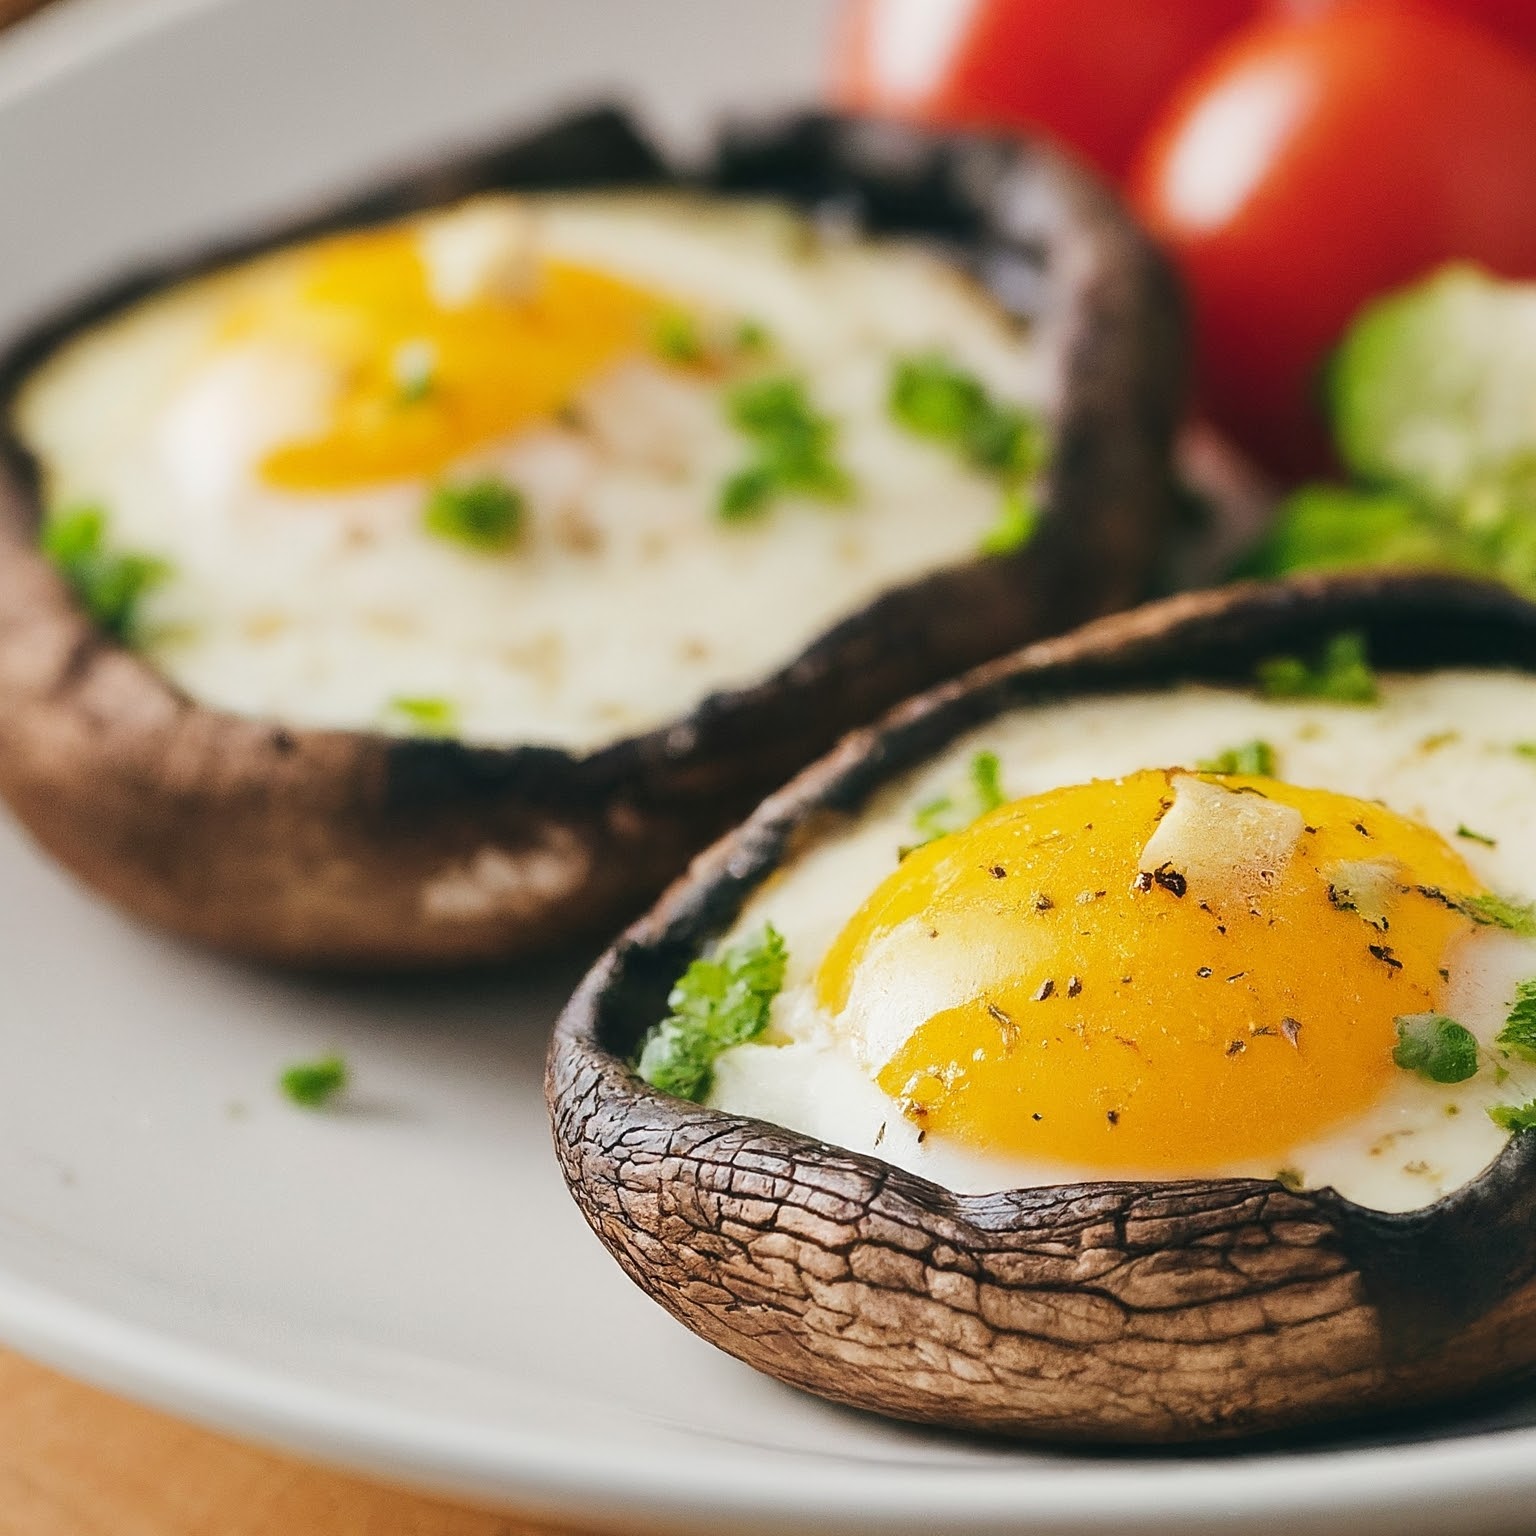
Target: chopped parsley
[1435,1047]
[1514,1117]
[1253,757]
[425,716]
[676,338]
[1341,675]
[931,397]
[485,514]
[1475,837]
[314,1084]
[1500,912]
[108,585]
[793,449]
[946,814]
[1017,521]
[717,1003]
[1519,1032]
[1525,748]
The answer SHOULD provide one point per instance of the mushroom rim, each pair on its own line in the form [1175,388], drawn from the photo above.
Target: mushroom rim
[600,149]
[1411,1264]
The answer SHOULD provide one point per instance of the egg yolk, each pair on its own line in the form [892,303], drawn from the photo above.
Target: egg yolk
[1030,986]
[420,383]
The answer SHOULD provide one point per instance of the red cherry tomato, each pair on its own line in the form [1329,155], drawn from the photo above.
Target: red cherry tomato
[1513,20]
[1090,72]
[1312,164]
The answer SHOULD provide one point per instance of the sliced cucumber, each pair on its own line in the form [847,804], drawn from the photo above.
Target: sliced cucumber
[1434,388]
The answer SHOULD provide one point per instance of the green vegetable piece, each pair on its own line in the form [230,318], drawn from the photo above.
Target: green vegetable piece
[1330,527]
[717,1003]
[425,716]
[677,339]
[1434,386]
[313,1084]
[987,781]
[1342,674]
[1519,1032]
[1018,520]
[931,397]
[1435,1047]
[1253,757]
[1514,1117]
[946,814]
[1492,911]
[108,585]
[484,514]
[793,449]
[1463,830]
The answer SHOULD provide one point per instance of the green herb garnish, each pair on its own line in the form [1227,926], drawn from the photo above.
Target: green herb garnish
[425,716]
[1492,911]
[1519,1032]
[717,1003]
[793,449]
[1514,1117]
[486,514]
[108,585]
[931,397]
[1435,1047]
[314,1083]
[946,814]
[1017,521]
[1342,674]
[1253,757]
[676,338]
[1463,830]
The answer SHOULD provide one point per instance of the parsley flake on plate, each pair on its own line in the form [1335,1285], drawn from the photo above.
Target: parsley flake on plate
[718,1002]
[109,585]
[484,514]
[313,1084]
[1341,675]
[1435,1047]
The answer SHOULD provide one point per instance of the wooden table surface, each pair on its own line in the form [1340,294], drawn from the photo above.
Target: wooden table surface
[76,1462]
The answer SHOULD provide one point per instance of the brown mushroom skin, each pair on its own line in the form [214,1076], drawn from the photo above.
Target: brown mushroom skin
[1117,1311]
[356,850]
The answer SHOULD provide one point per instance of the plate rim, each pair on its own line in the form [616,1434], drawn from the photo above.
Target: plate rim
[1463,1481]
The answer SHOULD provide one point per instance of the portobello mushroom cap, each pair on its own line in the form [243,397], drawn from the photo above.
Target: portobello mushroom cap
[1109,1311]
[351,848]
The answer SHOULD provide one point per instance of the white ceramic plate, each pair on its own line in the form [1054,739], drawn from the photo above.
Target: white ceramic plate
[403,1286]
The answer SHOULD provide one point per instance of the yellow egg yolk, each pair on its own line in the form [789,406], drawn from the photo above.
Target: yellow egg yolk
[1029,987]
[420,383]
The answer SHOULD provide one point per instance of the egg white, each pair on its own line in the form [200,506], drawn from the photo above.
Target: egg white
[1439,748]
[627,599]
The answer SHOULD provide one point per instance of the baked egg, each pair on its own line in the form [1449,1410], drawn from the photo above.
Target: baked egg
[1199,932]
[532,469]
